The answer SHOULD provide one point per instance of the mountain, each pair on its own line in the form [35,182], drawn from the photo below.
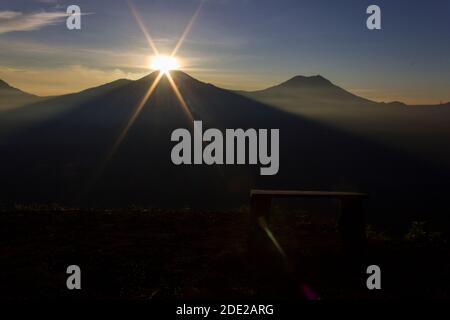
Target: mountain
[11,97]
[306,92]
[57,151]
[420,130]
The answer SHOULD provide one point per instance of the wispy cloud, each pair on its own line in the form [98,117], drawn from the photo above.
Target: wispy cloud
[9,14]
[11,21]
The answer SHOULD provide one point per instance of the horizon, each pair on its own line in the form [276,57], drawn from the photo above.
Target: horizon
[231,44]
[258,89]
[187,73]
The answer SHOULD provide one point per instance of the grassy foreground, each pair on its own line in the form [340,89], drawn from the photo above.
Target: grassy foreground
[141,253]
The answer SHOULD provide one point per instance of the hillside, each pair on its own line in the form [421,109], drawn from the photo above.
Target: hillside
[56,151]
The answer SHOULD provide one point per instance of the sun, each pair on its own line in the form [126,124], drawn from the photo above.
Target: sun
[164,63]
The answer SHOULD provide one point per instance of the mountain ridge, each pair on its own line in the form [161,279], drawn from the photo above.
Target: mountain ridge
[7,86]
[11,97]
[77,132]
[296,82]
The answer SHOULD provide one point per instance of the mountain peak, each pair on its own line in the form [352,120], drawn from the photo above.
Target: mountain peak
[173,73]
[178,76]
[305,81]
[395,103]
[4,85]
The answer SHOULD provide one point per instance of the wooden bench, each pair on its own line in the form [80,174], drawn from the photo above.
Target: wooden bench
[351,220]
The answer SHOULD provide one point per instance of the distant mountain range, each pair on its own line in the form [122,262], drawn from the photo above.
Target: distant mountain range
[55,150]
[313,91]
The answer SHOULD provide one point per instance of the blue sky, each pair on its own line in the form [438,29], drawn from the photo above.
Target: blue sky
[238,44]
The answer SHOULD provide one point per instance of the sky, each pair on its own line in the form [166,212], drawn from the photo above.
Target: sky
[235,44]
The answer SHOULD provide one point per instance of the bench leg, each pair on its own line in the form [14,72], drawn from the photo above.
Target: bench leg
[352,227]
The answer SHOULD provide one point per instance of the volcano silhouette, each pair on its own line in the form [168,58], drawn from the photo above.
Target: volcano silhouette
[314,92]
[52,150]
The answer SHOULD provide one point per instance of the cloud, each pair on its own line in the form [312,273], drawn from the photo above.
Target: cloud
[9,14]
[11,21]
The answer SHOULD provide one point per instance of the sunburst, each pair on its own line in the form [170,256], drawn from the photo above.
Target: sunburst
[164,64]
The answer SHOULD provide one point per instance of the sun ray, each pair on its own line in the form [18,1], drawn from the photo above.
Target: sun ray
[183,103]
[143,28]
[187,29]
[124,132]
[135,114]
[153,86]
